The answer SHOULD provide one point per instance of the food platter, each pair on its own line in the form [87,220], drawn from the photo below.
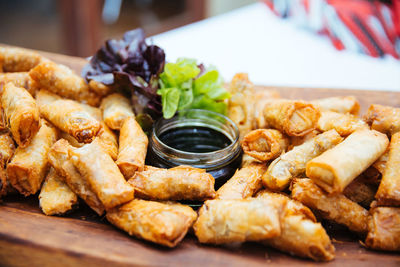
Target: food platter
[30,238]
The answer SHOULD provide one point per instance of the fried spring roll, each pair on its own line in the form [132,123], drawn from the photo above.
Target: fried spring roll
[21,113]
[116,108]
[178,183]
[132,148]
[299,140]
[293,163]
[20,79]
[384,229]
[301,234]
[292,117]
[344,124]
[360,191]
[384,119]
[380,164]
[340,104]
[60,159]
[70,117]
[55,196]
[7,149]
[244,183]
[162,223]
[262,97]
[237,220]
[29,165]
[334,169]
[102,174]
[389,189]
[337,208]
[264,144]
[61,80]
[17,59]
[239,109]
[100,88]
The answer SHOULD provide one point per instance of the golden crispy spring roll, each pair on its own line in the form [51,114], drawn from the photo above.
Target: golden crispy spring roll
[60,159]
[237,220]
[116,108]
[102,174]
[29,165]
[61,80]
[334,169]
[300,234]
[389,190]
[360,191]
[178,183]
[344,124]
[21,113]
[162,223]
[293,163]
[384,229]
[17,59]
[7,149]
[70,117]
[100,88]
[20,79]
[264,144]
[292,117]
[262,97]
[380,163]
[384,119]
[337,208]
[299,140]
[44,97]
[247,160]
[132,148]
[240,111]
[55,196]
[340,104]
[244,183]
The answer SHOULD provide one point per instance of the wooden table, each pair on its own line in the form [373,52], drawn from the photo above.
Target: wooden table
[29,238]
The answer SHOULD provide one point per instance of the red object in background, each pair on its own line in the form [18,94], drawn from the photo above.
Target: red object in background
[370,27]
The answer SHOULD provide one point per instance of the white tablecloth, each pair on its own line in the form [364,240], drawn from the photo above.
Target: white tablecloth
[276,52]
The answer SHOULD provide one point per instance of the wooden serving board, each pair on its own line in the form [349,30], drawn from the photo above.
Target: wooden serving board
[29,238]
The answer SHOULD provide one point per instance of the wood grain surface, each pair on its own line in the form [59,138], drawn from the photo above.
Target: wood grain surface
[81,238]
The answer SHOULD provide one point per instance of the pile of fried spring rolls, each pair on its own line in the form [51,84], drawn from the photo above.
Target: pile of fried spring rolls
[68,141]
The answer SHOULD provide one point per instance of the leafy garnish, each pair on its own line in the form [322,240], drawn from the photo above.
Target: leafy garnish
[132,65]
[185,84]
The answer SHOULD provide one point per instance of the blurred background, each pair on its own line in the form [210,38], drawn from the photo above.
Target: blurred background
[79,27]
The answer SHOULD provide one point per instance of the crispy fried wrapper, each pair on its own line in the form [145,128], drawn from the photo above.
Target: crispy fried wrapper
[292,117]
[7,149]
[380,163]
[100,88]
[262,97]
[29,165]
[389,189]
[299,140]
[301,234]
[20,79]
[17,59]
[340,104]
[72,118]
[60,159]
[162,223]
[21,113]
[178,183]
[132,148]
[116,108]
[384,119]
[56,197]
[244,183]
[334,169]
[240,109]
[337,208]
[384,229]
[361,191]
[102,175]
[344,124]
[61,80]
[237,220]
[264,144]
[293,163]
